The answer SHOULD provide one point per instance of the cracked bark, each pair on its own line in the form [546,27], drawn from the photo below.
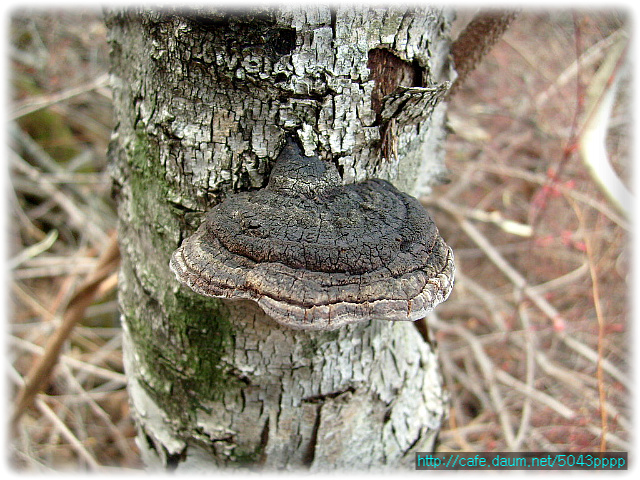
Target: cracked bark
[204,100]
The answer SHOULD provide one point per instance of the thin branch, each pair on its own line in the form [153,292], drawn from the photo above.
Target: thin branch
[538,396]
[29,300]
[67,434]
[566,191]
[57,422]
[557,283]
[503,377]
[44,101]
[520,282]
[495,217]
[77,217]
[619,443]
[494,304]
[592,140]
[116,434]
[591,355]
[596,302]
[587,58]
[83,297]
[498,260]
[530,373]
[489,372]
[34,250]
[90,368]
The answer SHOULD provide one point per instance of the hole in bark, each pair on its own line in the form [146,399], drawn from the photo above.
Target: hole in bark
[207,23]
[174,459]
[264,440]
[280,78]
[389,72]
[310,454]
[282,41]
[387,416]
[340,168]
[326,396]
[150,443]
[423,329]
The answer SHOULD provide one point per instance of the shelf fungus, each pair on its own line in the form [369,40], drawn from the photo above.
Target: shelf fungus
[316,254]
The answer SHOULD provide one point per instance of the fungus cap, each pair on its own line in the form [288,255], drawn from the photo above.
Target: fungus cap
[315,254]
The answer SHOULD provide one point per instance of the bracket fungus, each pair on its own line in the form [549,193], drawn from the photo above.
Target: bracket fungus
[316,254]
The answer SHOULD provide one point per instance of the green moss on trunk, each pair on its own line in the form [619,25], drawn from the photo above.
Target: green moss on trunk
[183,359]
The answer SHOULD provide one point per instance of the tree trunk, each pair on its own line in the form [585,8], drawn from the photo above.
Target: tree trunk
[204,101]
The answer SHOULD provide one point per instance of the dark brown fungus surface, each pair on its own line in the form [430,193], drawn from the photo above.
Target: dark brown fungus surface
[316,254]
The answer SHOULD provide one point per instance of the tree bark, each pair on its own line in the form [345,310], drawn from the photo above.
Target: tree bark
[204,100]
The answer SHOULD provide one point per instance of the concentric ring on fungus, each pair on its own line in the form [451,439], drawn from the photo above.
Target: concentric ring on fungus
[315,254]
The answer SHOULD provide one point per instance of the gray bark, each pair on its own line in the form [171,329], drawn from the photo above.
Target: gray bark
[203,102]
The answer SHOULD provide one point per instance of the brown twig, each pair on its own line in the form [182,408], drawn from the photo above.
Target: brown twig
[498,260]
[83,298]
[67,434]
[44,101]
[596,303]
[529,347]
[74,363]
[488,371]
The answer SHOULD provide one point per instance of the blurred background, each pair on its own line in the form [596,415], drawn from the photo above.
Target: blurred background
[533,341]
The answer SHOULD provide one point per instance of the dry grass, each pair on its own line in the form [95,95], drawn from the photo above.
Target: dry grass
[533,341]
[61,219]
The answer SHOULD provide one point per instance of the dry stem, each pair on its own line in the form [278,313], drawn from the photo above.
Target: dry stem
[83,297]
